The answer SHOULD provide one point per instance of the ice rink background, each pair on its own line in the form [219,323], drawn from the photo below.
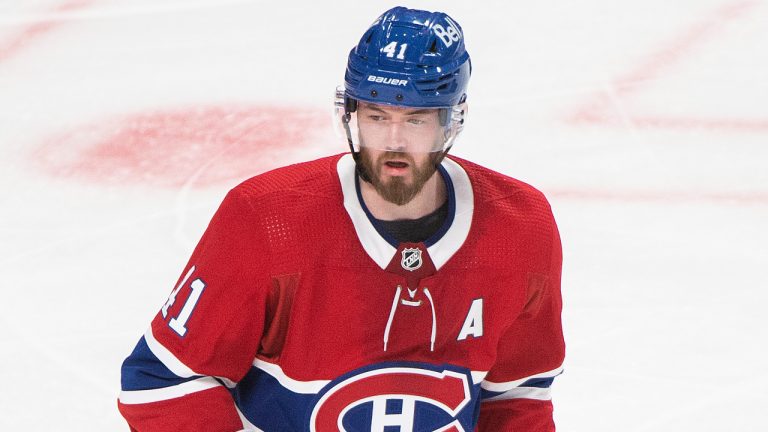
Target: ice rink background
[123,124]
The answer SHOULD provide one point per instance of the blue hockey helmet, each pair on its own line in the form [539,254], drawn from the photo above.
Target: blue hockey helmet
[408,58]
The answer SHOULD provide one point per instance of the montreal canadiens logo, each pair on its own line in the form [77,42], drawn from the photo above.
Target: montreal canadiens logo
[411,259]
[404,397]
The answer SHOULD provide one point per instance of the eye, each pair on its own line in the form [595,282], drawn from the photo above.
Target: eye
[415,121]
[375,117]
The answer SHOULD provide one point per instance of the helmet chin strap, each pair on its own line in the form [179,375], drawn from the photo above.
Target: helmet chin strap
[440,157]
[349,107]
[361,172]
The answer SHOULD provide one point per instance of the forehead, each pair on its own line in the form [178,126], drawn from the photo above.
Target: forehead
[389,109]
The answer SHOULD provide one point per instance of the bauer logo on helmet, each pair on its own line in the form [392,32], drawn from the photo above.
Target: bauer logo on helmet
[390,81]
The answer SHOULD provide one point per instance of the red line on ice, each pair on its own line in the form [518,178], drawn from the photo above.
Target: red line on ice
[198,146]
[596,109]
[17,42]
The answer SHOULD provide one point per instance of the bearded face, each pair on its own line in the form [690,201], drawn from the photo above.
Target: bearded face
[397,176]
[399,149]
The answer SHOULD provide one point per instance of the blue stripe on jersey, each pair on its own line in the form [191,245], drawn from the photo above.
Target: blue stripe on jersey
[544,382]
[269,405]
[539,382]
[142,370]
[487,394]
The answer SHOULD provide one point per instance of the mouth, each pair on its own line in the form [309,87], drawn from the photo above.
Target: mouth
[396,164]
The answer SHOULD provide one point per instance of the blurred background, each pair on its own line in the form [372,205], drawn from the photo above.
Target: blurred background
[124,123]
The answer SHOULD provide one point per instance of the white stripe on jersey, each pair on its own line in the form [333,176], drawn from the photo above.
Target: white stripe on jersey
[155,395]
[524,393]
[450,243]
[169,360]
[314,387]
[305,387]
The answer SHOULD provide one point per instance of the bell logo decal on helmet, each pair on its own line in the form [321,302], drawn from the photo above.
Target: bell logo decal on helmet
[450,35]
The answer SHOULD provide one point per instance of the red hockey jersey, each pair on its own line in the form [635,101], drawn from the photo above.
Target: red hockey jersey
[297,312]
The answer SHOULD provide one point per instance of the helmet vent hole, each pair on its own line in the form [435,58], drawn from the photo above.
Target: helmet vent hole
[433,47]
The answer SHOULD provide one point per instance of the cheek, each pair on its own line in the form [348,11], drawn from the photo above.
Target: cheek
[371,157]
[433,140]
[423,160]
[371,136]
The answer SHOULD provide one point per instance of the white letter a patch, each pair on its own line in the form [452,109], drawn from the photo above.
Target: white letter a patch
[473,324]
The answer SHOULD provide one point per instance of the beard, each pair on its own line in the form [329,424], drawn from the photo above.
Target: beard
[396,190]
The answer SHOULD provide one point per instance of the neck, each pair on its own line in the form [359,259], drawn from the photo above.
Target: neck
[429,199]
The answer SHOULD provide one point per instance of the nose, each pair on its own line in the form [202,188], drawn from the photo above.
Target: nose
[397,137]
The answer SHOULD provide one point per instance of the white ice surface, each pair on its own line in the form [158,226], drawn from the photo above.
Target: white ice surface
[665,229]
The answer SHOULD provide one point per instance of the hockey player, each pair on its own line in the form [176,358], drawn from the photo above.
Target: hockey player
[392,288]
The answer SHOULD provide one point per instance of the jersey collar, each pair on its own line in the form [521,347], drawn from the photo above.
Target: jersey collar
[441,246]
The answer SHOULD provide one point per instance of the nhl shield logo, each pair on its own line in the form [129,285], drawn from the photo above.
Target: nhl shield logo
[411,259]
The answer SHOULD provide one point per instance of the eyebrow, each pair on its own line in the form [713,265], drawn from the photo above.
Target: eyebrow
[414,112]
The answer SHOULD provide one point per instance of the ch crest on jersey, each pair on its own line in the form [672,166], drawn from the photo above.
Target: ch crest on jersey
[399,397]
[411,259]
